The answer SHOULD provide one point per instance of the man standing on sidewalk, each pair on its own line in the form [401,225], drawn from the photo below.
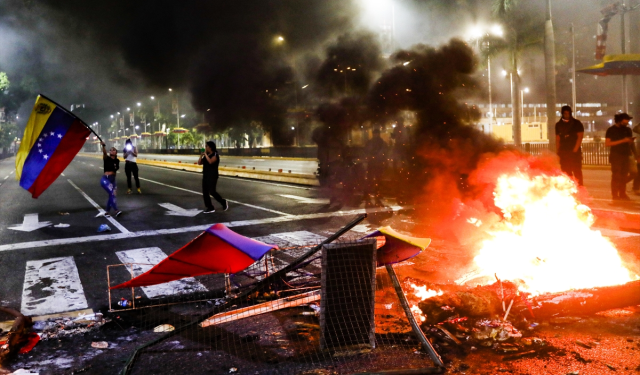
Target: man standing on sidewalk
[636,181]
[620,138]
[569,133]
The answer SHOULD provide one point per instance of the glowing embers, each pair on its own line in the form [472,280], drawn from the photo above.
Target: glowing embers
[545,239]
[421,293]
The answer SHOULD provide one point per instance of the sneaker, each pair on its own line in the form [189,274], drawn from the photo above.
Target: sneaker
[139,191]
[106,215]
[209,211]
[118,213]
[129,191]
[226,205]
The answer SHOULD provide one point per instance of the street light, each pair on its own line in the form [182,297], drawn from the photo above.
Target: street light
[138,104]
[111,116]
[128,109]
[170,90]
[152,98]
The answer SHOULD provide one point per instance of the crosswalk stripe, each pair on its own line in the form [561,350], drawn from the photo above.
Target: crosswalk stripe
[151,256]
[52,286]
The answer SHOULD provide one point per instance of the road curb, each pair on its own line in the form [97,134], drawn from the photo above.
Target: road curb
[291,178]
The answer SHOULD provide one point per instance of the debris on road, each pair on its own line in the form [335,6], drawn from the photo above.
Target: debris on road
[55,328]
[62,225]
[104,228]
[164,328]
[100,344]
[18,336]
[63,213]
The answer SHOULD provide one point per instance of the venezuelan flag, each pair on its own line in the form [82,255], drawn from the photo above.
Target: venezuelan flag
[52,139]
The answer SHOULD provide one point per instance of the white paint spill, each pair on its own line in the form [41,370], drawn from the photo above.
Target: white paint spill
[52,286]
[151,256]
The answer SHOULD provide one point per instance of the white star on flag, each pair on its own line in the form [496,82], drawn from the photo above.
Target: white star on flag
[39,144]
[45,135]
[46,156]
[53,133]
[40,150]
[41,139]
[59,135]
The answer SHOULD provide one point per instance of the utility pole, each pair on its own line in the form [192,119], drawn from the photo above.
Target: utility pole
[573,69]
[550,73]
[623,33]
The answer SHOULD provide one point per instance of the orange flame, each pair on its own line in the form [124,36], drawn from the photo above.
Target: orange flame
[422,293]
[545,238]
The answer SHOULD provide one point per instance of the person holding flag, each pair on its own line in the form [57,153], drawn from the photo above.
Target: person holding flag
[108,181]
[52,138]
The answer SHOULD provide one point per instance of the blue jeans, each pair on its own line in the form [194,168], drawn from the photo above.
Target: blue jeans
[109,185]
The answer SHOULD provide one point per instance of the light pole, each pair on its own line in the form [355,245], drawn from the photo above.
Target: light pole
[522,92]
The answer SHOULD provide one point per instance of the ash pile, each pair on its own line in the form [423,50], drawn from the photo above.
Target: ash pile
[66,327]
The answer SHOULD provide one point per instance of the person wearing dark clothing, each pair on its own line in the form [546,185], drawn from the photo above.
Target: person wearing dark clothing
[375,150]
[131,165]
[569,134]
[620,138]
[108,181]
[210,160]
[636,181]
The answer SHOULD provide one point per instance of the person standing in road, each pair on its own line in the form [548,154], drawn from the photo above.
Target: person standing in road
[131,165]
[108,181]
[636,181]
[620,138]
[210,160]
[569,134]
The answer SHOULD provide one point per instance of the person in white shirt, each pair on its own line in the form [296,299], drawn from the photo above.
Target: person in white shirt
[131,166]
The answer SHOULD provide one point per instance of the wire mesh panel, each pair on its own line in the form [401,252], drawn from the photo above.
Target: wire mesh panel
[348,295]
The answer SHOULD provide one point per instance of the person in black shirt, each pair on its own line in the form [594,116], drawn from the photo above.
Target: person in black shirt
[210,161]
[375,150]
[108,181]
[569,133]
[620,138]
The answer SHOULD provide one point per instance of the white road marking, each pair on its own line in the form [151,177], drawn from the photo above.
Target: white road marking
[232,201]
[301,238]
[91,165]
[196,228]
[62,174]
[11,172]
[151,256]
[100,210]
[179,211]
[5,177]
[52,286]
[306,200]
[30,223]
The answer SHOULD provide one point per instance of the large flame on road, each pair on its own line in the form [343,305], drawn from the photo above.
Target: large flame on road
[545,238]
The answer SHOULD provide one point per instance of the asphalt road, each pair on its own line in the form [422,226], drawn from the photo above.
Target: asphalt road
[57,268]
[53,260]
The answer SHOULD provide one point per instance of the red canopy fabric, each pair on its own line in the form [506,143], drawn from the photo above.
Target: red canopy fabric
[216,250]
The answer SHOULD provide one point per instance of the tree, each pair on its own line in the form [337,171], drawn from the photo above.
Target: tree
[521,32]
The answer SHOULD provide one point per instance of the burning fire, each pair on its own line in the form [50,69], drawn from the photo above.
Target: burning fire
[422,293]
[545,238]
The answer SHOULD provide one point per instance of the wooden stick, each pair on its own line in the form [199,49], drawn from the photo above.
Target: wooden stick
[435,357]
[508,310]
[263,308]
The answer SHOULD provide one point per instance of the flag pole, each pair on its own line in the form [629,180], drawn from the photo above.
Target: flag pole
[72,114]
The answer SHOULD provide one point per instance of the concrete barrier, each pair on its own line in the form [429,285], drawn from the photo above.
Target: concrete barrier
[291,178]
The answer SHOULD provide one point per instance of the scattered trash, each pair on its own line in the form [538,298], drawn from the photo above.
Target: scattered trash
[573,373]
[610,367]
[584,345]
[56,328]
[39,325]
[32,340]
[164,328]
[233,369]
[124,302]
[63,213]
[104,228]
[100,344]
[62,225]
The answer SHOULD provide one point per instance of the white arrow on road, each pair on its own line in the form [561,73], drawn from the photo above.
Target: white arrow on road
[306,200]
[179,211]
[30,223]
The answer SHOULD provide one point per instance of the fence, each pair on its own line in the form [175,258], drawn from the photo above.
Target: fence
[267,319]
[592,153]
